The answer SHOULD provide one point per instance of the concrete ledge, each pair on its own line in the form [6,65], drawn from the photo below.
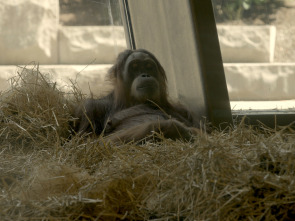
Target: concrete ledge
[90,77]
[282,105]
[246,82]
[247,43]
[260,81]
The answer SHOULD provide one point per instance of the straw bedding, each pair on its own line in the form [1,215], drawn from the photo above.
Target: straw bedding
[48,174]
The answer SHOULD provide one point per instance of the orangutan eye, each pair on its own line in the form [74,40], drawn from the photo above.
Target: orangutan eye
[134,67]
[150,66]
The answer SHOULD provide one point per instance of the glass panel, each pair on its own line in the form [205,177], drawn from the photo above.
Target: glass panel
[258,49]
[68,38]
[177,33]
[164,23]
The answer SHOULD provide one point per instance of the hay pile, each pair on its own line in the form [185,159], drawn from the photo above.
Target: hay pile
[242,174]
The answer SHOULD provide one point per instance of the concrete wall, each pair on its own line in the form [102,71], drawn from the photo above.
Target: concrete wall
[30,31]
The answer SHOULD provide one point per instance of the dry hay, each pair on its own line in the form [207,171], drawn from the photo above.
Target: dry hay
[241,174]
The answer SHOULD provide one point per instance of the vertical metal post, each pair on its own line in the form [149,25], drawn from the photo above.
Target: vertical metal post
[127,24]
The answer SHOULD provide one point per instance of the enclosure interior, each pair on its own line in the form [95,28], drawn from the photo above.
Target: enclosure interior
[80,39]
[244,173]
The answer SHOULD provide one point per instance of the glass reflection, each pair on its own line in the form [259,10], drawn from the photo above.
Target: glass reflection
[258,50]
[89,12]
[70,39]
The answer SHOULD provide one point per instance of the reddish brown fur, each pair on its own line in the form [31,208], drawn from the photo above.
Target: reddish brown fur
[125,114]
